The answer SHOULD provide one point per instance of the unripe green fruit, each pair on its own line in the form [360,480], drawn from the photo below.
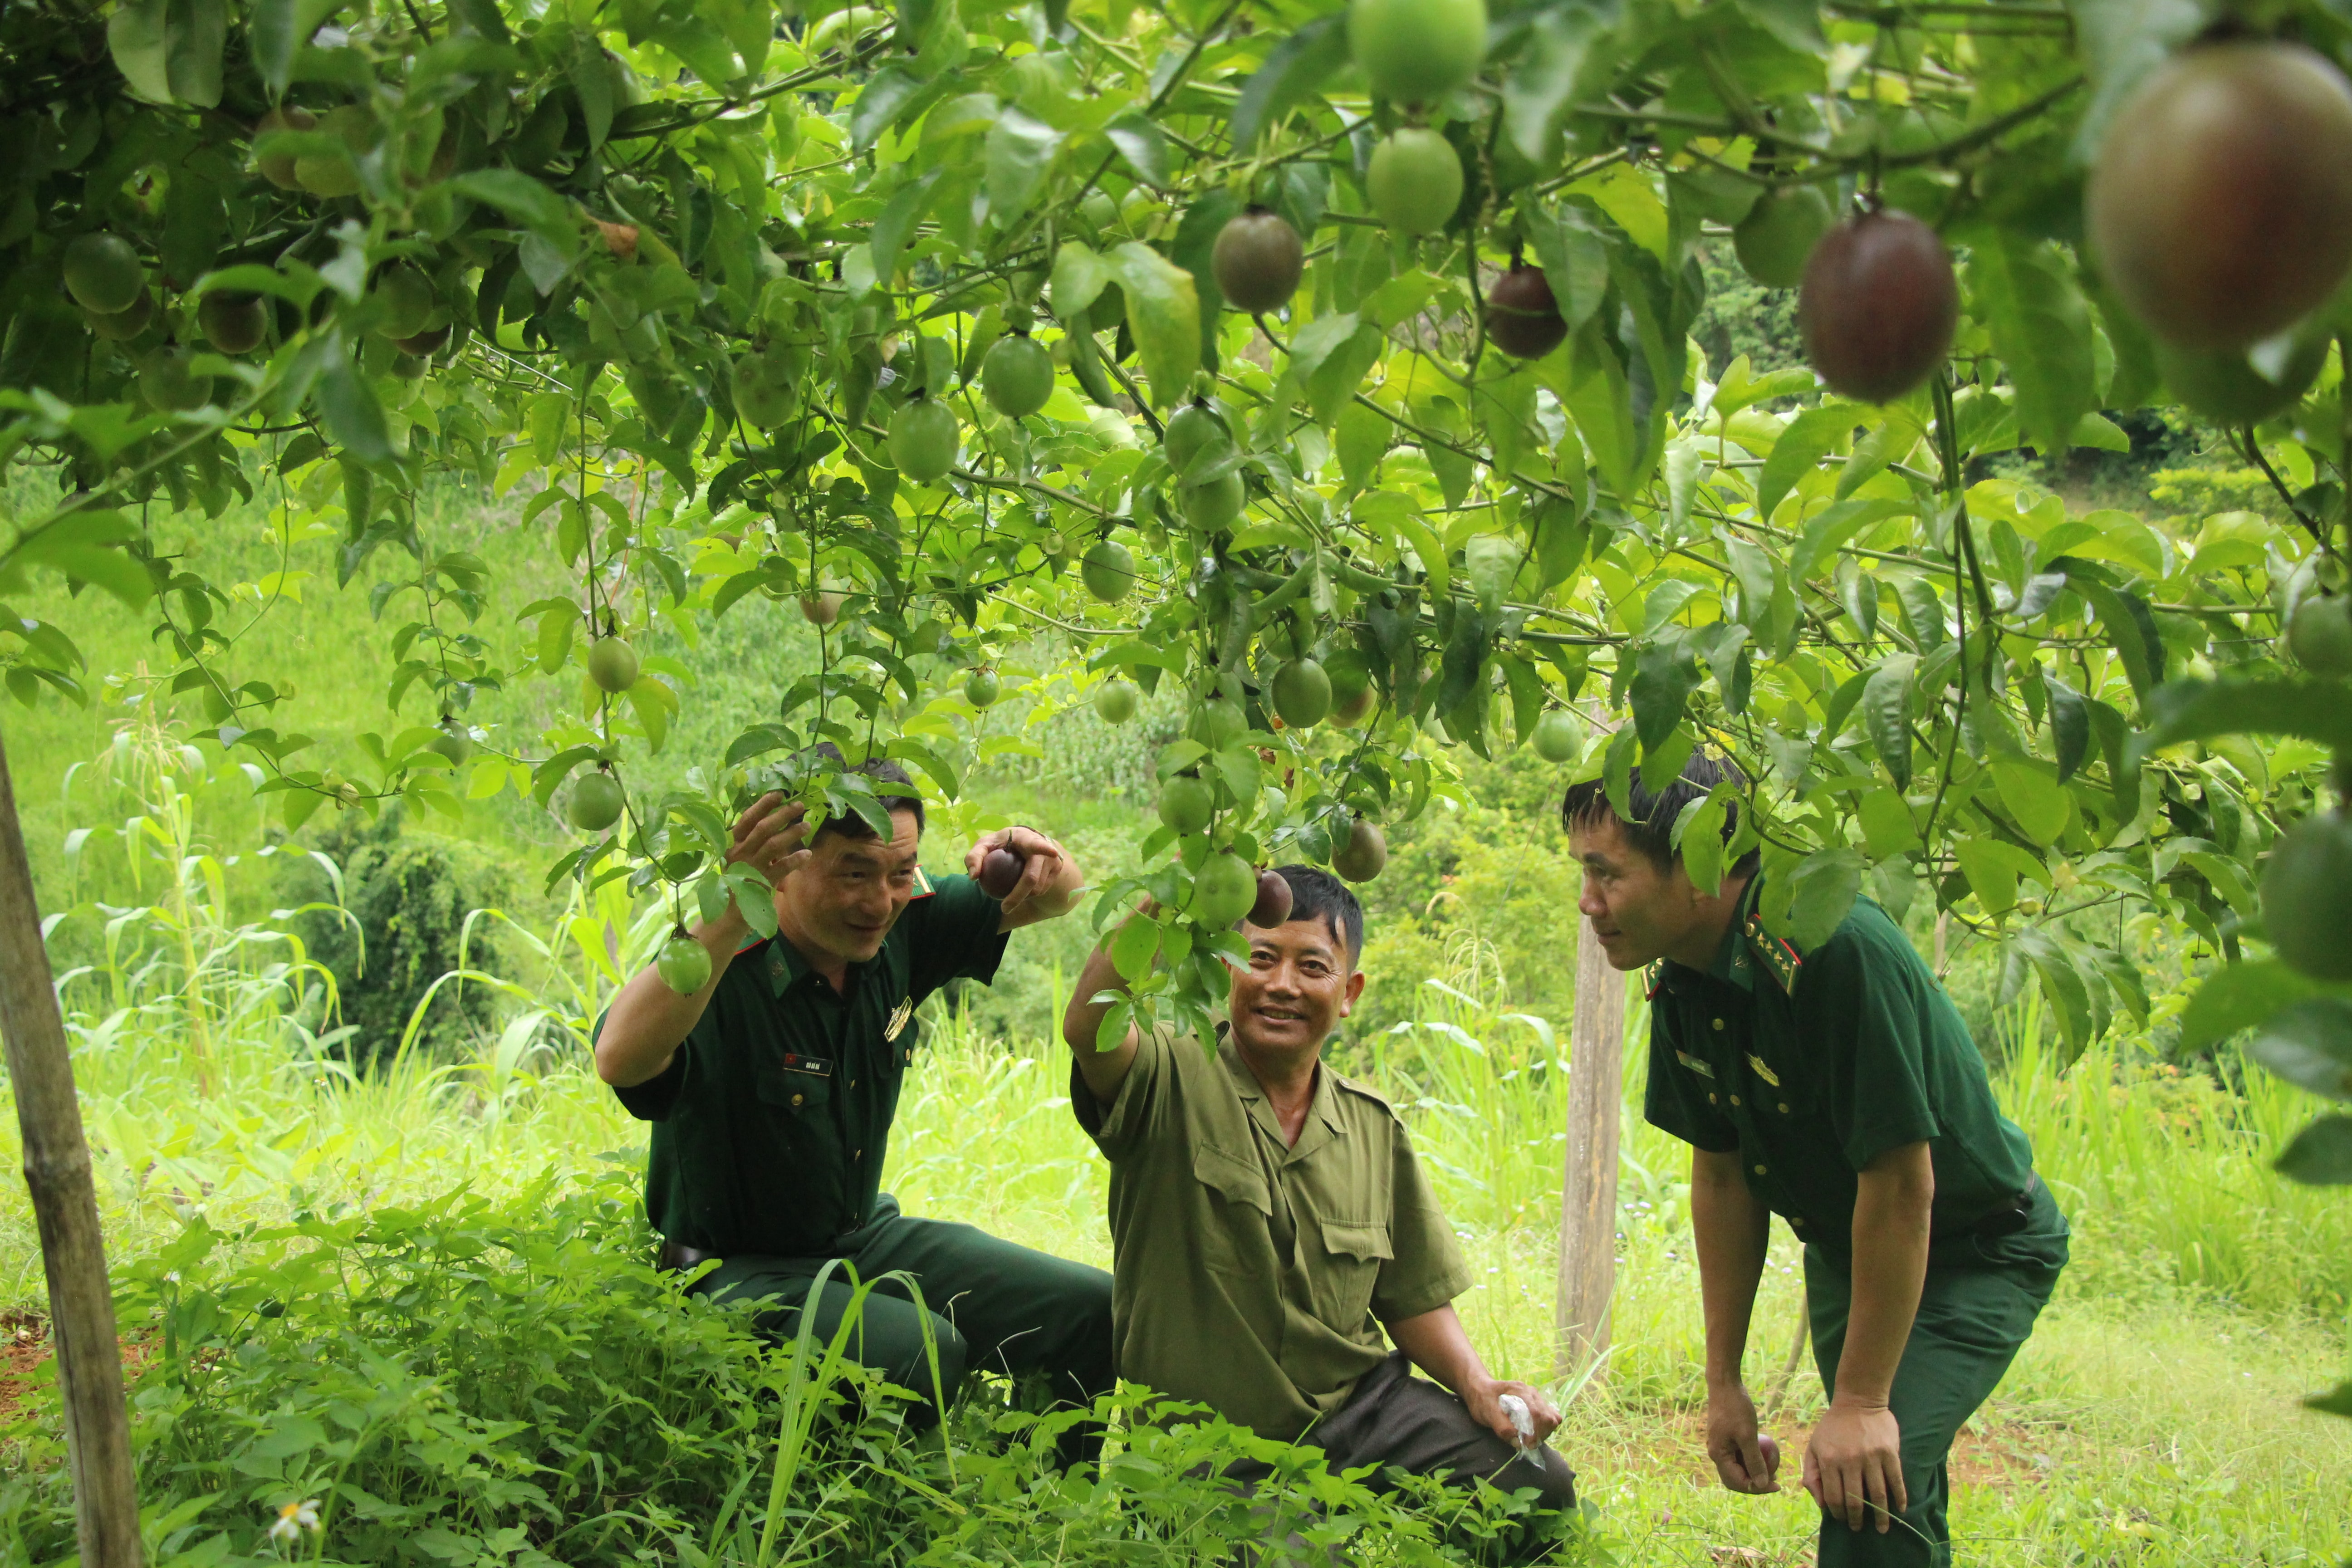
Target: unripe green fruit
[1414,181]
[1776,238]
[1190,429]
[103,273]
[1108,571]
[1218,724]
[1017,376]
[1115,702]
[822,608]
[2307,897]
[335,175]
[405,296]
[121,326]
[1223,890]
[2320,635]
[169,386]
[277,168]
[451,741]
[233,323]
[423,344]
[611,665]
[684,965]
[2224,386]
[1302,694]
[1212,507]
[1364,854]
[981,688]
[1411,52]
[1352,686]
[761,397]
[1257,261]
[597,800]
[1185,804]
[1559,738]
[923,439]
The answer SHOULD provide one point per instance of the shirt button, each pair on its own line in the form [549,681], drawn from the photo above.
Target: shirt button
[853,1083]
[1734,1100]
[1718,1023]
[1710,1099]
[1760,1170]
[1784,1108]
[796,1099]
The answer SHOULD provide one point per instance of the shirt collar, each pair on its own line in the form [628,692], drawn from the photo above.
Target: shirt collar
[787,968]
[1321,1106]
[1734,964]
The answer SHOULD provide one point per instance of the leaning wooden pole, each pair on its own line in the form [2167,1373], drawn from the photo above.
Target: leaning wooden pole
[1588,1199]
[73,1253]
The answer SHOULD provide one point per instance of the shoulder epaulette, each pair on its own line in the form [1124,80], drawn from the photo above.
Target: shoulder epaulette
[923,887]
[1654,980]
[1365,1092]
[1780,960]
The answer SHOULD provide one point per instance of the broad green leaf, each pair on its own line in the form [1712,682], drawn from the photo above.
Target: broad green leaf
[1698,836]
[2309,1043]
[1548,74]
[2238,996]
[2321,1154]
[2040,804]
[886,94]
[1822,890]
[1574,259]
[1993,870]
[1293,73]
[1886,823]
[523,199]
[1886,715]
[2042,331]
[1165,317]
[1140,142]
[2070,725]
[1019,150]
[2200,710]
[1810,436]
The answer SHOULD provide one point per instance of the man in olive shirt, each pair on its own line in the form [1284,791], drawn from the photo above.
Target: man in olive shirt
[772,1091]
[1268,1217]
[1836,1086]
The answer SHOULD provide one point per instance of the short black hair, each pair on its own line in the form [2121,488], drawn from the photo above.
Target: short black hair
[1316,895]
[1651,829]
[882,771]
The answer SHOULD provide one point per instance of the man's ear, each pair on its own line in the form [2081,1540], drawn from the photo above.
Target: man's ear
[1354,989]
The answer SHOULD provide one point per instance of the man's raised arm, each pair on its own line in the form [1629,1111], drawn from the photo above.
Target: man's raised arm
[1082,1021]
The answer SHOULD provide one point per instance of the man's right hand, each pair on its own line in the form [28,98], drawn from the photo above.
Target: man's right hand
[771,838]
[1739,1455]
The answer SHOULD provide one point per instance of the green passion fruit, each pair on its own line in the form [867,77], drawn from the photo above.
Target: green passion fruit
[405,297]
[103,273]
[233,323]
[1352,686]
[1559,738]
[169,386]
[1414,181]
[423,344]
[121,326]
[923,439]
[1190,429]
[1223,888]
[611,665]
[2307,897]
[2220,204]
[451,741]
[335,173]
[684,965]
[1214,507]
[2320,635]
[1185,804]
[1522,318]
[1217,723]
[1302,694]
[2224,385]
[1257,261]
[981,688]
[1878,306]
[596,803]
[1777,238]
[1017,376]
[1107,570]
[1115,702]
[277,168]
[1411,52]
[762,397]
[823,608]
[1364,854]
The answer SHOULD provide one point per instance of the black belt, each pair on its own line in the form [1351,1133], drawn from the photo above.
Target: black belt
[676,1257]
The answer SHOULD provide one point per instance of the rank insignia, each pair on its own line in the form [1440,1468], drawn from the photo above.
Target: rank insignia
[923,889]
[1777,958]
[1654,980]
[897,1024]
[1767,1074]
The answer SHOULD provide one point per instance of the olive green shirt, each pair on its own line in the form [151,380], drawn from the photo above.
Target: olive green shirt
[772,1122]
[1250,1275]
[1814,1064]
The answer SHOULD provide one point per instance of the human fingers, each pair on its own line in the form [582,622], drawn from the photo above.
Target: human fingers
[1851,1485]
[979,851]
[1810,1477]
[1754,1473]
[754,814]
[1898,1495]
[1546,1415]
[1874,1483]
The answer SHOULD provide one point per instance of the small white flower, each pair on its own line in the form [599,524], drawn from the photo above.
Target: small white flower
[294,1519]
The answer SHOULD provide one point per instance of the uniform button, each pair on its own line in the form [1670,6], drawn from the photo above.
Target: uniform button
[1796,1219]
[853,1083]
[796,1099]
[1710,1099]
[1760,1170]
[1784,1108]
[1734,1100]
[1718,1023]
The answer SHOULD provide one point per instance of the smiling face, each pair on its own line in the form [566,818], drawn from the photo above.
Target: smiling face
[1641,913]
[1301,981]
[843,901]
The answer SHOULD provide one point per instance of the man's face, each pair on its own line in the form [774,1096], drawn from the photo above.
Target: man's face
[847,896]
[1301,981]
[1639,912]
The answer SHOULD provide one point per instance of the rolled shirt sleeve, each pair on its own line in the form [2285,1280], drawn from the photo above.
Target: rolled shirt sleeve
[1428,1269]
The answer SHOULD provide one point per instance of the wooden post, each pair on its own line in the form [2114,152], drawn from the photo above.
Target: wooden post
[73,1253]
[1588,1199]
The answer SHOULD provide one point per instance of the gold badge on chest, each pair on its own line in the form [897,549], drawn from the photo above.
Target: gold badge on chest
[898,1016]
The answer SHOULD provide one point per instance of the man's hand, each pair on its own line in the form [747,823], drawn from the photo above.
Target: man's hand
[1853,1466]
[1485,1399]
[1742,1462]
[771,838]
[1048,876]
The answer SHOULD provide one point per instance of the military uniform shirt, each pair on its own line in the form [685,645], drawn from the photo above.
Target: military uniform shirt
[772,1122]
[1250,1275]
[1812,1064]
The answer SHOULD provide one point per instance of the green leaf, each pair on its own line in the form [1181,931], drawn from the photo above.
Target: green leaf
[2070,725]
[1165,317]
[2040,804]
[1293,73]
[1887,822]
[2321,1154]
[2120,42]
[2130,627]
[1993,868]
[879,102]
[1545,79]
[1810,437]
[2238,996]
[1143,145]
[277,33]
[1079,277]
[2200,710]
[2024,291]
[353,417]
[1698,836]
[1574,259]
[591,85]
[135,38]
[1885,714]
[1134,948]
[1829,529]
[1019,150]
[1820,893]
[2309,1043]
[523,199]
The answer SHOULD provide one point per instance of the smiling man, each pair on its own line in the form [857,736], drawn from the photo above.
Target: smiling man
[1269,1219]
[772,1091]
[1836,1086]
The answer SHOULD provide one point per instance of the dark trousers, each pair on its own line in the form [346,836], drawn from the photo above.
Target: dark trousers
[992,1307]
[1977,1308]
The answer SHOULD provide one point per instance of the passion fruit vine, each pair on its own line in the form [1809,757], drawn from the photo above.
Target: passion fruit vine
[1878,306]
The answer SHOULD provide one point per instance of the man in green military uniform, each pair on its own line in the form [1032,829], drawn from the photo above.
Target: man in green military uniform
[772,1091]
[1839,1088]
[1269,1219]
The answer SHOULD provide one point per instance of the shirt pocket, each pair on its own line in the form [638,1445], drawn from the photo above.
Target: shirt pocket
[1342,1285]
[1235,1239]
[798,1094]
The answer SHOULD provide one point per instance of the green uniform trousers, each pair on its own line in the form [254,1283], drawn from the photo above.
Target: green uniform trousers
[992,1306]
[1978,1305]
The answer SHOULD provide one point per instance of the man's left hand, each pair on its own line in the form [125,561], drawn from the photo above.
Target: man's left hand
[1486,1403]
[1041,870]
[1853,1466]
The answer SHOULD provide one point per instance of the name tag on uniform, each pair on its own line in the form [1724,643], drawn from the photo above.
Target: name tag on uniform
[1767,1074]
[815,1066]
[1696,1066]
[898,1016]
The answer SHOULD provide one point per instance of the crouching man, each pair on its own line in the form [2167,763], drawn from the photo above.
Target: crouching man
[1268,1219]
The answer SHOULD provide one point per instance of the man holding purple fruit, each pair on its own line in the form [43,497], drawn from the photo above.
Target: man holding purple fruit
[773,1087]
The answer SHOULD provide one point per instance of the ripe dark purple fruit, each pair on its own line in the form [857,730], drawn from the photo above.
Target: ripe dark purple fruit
[1000,871]
[1257,261]
[1522,318]
[2220,202]
[1273,906]
[1878,306]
